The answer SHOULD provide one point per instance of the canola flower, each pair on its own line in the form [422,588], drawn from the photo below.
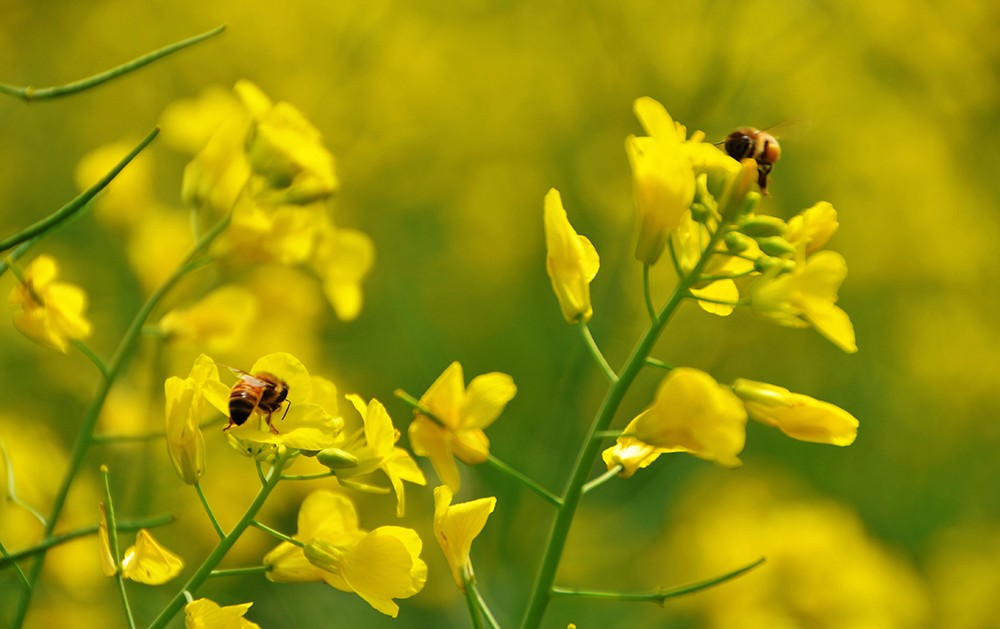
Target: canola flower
[572,262]
[379,565]
[456,526]
[205,613]
[51,312]
[459,416]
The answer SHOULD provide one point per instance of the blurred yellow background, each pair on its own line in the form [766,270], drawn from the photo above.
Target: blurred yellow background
[449,121]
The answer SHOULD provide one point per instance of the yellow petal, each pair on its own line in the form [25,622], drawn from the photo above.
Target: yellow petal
[445,396]
[381,567]
[206,614]
[571,261]
[721,290]
[108,564]
[485,399]
[456,526]
[149,562]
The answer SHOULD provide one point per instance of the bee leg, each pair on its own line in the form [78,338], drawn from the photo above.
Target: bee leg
[270,425]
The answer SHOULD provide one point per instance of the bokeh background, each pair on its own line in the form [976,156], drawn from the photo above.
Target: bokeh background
[449,121]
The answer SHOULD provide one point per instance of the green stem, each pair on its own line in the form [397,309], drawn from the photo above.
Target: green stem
[86,431]
[603,478]
[20,573]
[30,93]
[224,545]
[479,611]
[277,534]
[91,355]
[208,510]
[62,538]
[315,476]
[734,304]
[647,293]
[237,572]
[659,597]
[545,494]
[471,601]
[595,351]
[113,541]
[541,591]
[70,209]
[654,362]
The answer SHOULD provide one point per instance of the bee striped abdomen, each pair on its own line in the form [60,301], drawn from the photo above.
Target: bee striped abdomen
[242,402]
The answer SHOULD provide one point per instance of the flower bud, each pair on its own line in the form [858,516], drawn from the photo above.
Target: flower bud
[763,226]
[775,246]
[324,555]
[337,459]
[736,242]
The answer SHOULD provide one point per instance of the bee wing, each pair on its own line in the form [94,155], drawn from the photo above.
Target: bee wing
[247,377]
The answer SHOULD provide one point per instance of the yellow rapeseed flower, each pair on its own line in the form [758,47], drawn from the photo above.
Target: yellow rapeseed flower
[342,259]
[185,405]
[149,562]
[379,565]
[812,228]
[218,322]
[807,296]
[203,613]
[373,446]
[693,413]
[52,312]
[460,415]
[571,261]
[798,416]
[663,180]
[455,526]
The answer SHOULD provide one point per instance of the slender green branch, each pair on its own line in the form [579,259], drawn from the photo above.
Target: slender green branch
[479,611]
[224,545]
[91,355]
[603,478]
[541,591]
[237,572]
[62,538]
[113,541]
[315,476]
[601,435]
[723,302]
[660,596]
[727,276]
[30,93]
[85,433]
[595,351]
[208,510]
[20,573]
[674,259]
[648,293]
[472,602]
[11,490]
[416,405]
[655,362]
[545,494]
[277,534]
[69,210]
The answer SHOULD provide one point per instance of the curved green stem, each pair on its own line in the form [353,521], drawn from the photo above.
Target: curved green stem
[224,545]
[62,538]
[113,541]
[545,494]
[91,355]
[237,572]
[277,534]
[208,510]
[660,596]
[86,430]
[595,351]
[20,573]
[70,209]
[647,293]
[655,362]
[30,93]
[603,478]
[315,476]
[541,592]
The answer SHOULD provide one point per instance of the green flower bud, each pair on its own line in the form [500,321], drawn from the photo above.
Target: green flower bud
[324,555]
[763,227]
[337,459]
[736,242]
[766,263]
[775,246]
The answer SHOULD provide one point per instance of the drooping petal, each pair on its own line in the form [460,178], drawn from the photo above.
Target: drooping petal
[203,613]
[485,398]
[456,526]
[430,440]
[147,561]
[571,261]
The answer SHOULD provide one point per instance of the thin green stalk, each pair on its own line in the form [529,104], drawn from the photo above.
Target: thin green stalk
[70,209]
[11,490]
[471,602]
[647,292]
[30,93]
[277,534]
[603,478]
[86,431]
[545,494]
[659,597]
[20,573]
[224,545]
[91,355]
[315,476]
[62,538]
[113,541]
[208,510]
[595,351]
[541,591]
[237,572]
[654,362]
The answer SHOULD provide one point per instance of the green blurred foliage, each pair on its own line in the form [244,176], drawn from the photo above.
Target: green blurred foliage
[449,121]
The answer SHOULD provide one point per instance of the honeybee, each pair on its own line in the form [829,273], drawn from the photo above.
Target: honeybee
[264,392]
[758,145]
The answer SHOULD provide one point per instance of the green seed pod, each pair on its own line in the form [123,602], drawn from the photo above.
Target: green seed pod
[337,459]
[775,246]
[763,226]
[736,242]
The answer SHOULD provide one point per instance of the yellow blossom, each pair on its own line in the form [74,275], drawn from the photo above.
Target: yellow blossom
[798,416]
[811,228]
[374,446]
[219,322]
[693,413]
[342,259]
[187,123]
[455,526]
[185,405]
[307,419]
[631,454]
[663,180]
[217,174]
[463,413]
[807,296]
[52,312]
[149,562]
[285,151]
[109,565]
[379,566]
[203,613]
[571,261]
